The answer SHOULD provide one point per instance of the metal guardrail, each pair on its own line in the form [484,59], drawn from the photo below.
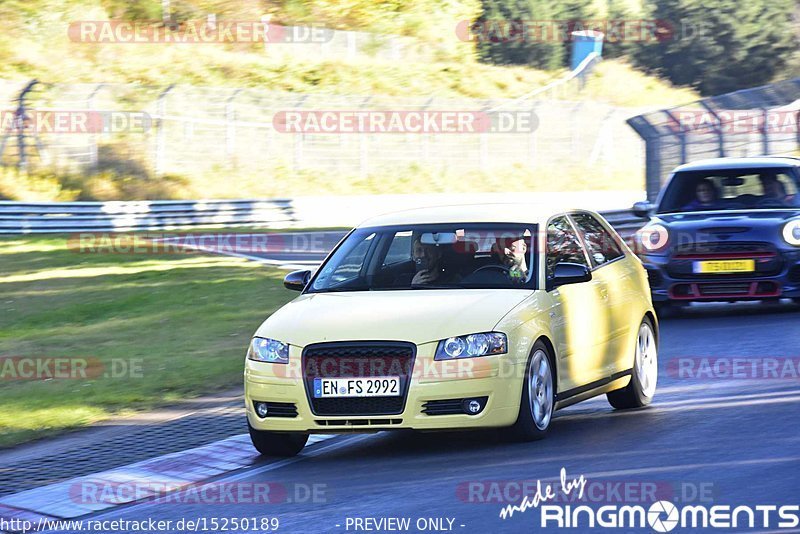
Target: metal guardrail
[71,217]
[74,217]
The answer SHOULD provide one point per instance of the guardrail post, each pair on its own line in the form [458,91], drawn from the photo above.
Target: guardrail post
[765,131]
[681,134]
[483,151]
[352,45]
[363,155]
[161,135]
[652,167]
[93,159]
[797,128]
[717,128]
[230,128]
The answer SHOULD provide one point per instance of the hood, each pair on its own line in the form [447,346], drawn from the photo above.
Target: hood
[728,218]
[722,226]
[418,316]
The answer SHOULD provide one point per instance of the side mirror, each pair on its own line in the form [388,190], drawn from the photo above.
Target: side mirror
[570,273]
[297,280]
[642,209]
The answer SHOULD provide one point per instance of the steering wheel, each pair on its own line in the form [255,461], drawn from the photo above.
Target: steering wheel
[503,268]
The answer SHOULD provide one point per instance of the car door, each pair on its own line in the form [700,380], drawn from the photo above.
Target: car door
[577,313]
[613,277]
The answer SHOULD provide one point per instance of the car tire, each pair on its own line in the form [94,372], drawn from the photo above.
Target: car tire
[644,374]
[534,418]
[277,443]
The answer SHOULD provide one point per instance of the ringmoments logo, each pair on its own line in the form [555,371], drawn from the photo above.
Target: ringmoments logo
[660,516]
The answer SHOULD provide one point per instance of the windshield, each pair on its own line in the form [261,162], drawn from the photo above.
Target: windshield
[431,257]
[734,189]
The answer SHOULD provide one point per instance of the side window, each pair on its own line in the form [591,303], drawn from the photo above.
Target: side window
[562,245]
[400,249]
[600,244]
[351,264]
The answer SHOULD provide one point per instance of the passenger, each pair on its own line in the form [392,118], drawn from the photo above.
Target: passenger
[774,191]
[428,264]
[706,196]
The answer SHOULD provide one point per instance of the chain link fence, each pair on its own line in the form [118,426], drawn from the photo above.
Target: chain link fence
[185,130]
[760,121]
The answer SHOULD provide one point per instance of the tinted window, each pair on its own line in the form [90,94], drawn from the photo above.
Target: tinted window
[731,189]
[601,245]
[562,245]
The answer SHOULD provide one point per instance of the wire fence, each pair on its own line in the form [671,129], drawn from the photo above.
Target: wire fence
[186,130]
[759,121]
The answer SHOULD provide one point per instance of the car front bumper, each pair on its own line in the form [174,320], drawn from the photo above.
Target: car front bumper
[751,286]
[497,378]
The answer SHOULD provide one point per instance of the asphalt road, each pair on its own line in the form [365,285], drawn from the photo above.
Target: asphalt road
[708,440]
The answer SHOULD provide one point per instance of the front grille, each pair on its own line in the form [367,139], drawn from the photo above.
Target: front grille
[725,289]
[443,407]
[358,359]
[357,422]
[713,290]
[746,248]
[767,260]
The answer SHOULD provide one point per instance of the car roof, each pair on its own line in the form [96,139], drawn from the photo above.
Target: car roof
[527,213]
[740,163]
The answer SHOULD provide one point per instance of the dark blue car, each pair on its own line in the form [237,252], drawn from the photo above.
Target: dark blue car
[724,230]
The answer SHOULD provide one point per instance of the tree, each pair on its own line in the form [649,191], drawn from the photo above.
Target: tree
[719,46]
[525,32]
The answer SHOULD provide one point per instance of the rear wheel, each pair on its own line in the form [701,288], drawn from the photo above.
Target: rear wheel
[277,443]
[538,396]
[644,375]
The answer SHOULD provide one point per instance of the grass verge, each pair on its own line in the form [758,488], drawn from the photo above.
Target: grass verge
[173,327]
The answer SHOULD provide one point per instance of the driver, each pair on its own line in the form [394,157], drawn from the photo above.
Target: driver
[706,196]
[512,253]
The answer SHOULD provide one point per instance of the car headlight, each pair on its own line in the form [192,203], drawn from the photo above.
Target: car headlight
[483,344]
[268,350]
[653,237]
[791,232]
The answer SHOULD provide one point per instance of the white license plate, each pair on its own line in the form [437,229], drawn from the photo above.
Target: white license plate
[376,386]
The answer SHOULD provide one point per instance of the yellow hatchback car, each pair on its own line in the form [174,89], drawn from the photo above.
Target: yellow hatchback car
[448,318]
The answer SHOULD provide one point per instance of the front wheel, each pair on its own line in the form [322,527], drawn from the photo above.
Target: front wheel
[644,375]
[277,443]
[538,396]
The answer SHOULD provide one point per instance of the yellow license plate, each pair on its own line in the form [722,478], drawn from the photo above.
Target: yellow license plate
[724,266]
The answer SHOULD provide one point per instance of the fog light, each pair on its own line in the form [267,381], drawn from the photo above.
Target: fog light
[472,406]
[261,409]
